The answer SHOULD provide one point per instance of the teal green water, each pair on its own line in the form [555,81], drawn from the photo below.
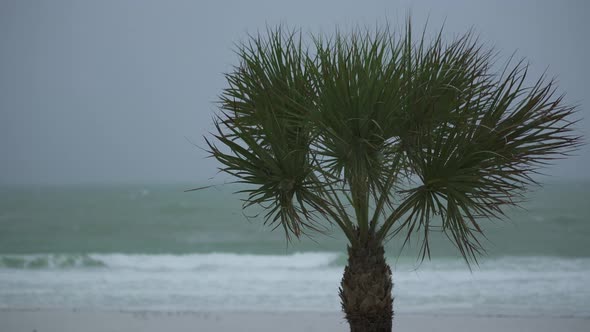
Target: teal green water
[155,219]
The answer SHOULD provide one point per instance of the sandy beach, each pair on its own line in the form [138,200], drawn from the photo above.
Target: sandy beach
[104,321]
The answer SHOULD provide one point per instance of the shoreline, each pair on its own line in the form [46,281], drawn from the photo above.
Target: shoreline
[232,312]
[64,320]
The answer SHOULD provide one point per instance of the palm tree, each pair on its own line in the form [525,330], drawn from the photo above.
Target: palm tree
[384,135]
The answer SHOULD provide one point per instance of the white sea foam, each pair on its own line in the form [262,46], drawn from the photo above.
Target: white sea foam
[217,261]
[163,262]
[303,281]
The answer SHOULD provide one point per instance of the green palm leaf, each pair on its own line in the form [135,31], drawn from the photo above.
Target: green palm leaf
[264,125]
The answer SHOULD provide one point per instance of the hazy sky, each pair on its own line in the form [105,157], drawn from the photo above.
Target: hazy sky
[110,90]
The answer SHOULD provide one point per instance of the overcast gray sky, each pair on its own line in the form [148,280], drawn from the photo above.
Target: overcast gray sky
[109,90]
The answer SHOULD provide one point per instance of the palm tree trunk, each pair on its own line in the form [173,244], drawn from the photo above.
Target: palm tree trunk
[366,290]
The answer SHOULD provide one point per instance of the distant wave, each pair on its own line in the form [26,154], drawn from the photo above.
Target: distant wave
[295,261]
[48,261]
[165,262]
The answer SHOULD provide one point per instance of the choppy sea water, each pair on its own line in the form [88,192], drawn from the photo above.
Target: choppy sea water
[158,248]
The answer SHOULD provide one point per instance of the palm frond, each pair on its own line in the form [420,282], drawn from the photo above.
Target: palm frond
[265,130]
[478,155]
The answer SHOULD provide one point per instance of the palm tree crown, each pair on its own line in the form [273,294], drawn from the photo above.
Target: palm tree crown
[378,133]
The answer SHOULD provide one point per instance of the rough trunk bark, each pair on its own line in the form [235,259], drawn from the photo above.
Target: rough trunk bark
[366,290]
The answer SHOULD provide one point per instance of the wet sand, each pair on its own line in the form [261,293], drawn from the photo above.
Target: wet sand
[148,321]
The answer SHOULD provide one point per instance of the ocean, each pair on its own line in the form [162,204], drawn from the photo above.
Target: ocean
[156,247]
